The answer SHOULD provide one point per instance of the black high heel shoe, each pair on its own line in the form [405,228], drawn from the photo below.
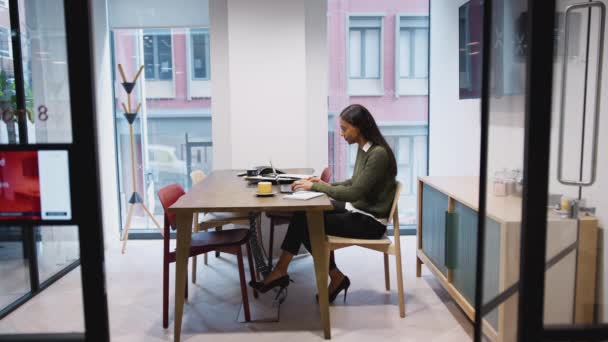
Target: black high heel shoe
[281,282]
[344,285]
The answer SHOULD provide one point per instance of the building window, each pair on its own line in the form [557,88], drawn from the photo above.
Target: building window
[413,47]
[410,150]
[5,42]
[4,3]
[364,47]
[158,55]
[200,54]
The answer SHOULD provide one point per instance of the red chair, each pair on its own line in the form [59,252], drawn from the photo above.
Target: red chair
[228,241]
[284,218]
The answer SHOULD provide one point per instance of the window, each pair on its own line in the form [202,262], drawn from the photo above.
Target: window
[364,37]
[5,42]
[413,47]
[200,54]
[4,3]
[173,130]
[158,55]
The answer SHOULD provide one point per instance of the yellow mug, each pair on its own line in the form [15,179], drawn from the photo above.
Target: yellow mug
[565,203]
[264,187]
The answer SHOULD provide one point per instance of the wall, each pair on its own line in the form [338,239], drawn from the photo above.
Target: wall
[316,81]
[105,123]
[269,93]
[454,124]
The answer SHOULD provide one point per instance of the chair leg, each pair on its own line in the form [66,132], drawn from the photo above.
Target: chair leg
[243,285]
[270,243]
[195,228]
[186,293]
[400,284]
[218,229]
[251,267]
[387,277]
[165,295]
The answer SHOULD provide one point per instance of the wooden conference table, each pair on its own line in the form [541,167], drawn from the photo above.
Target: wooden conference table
[224,191]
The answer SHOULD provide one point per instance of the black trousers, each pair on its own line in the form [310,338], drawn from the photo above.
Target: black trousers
[338,222]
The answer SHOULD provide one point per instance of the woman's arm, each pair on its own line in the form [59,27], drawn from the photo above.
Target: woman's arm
[347,182]
[318,180]
[374,170]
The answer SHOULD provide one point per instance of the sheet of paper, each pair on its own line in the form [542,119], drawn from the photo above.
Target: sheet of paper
[303,195]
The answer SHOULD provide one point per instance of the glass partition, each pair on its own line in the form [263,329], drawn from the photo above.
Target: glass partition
[387,59]
[172,129]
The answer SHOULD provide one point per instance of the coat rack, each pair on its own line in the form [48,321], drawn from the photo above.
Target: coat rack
[130,115]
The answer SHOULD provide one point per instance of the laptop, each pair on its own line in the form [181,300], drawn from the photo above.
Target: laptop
[286,189]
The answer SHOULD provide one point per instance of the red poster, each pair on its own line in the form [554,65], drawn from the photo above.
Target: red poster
[19,185]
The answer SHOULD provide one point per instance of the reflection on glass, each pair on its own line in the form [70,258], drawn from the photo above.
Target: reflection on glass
[14,266]
[8,124]
[172,131]
[45,75]
[505,159]
[394,92]
[57,248]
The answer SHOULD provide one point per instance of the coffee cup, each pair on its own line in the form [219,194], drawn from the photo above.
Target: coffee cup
[264,187]
[565,203]
[252,172]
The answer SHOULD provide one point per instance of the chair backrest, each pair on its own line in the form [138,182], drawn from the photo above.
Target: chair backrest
[167,196]
[326,175]
[197,176]
[391,215]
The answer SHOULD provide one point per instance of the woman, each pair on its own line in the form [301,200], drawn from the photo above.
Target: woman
[362,203]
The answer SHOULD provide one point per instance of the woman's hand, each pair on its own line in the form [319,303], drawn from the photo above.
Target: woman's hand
[316,180]
[302,184]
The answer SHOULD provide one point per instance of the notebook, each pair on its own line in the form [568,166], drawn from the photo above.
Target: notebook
[303,195]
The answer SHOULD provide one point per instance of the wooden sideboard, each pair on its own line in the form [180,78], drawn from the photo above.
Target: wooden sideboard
[447,245]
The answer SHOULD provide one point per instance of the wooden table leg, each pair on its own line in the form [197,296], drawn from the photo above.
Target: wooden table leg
[184,231]
[316,230]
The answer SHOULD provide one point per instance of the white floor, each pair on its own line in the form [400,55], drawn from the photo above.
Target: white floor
[134,296]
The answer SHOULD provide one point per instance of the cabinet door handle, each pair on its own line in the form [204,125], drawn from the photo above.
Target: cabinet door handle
[450,238]
[598,86]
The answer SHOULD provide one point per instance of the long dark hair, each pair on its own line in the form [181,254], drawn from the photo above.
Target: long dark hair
[360,117]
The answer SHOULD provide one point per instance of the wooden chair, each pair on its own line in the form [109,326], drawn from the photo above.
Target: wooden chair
[384,245]
[285,217]
[229,241]
[212,220]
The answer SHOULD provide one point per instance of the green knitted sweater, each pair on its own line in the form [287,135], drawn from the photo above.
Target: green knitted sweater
[371,188]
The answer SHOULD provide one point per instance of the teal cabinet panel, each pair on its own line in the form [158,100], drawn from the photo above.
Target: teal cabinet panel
[463,250]
[491,268]
[434,208]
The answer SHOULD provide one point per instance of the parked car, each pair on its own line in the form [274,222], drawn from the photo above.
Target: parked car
[165,166]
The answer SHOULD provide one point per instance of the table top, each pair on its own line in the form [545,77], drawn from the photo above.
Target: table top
[223,191]
[465,189]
